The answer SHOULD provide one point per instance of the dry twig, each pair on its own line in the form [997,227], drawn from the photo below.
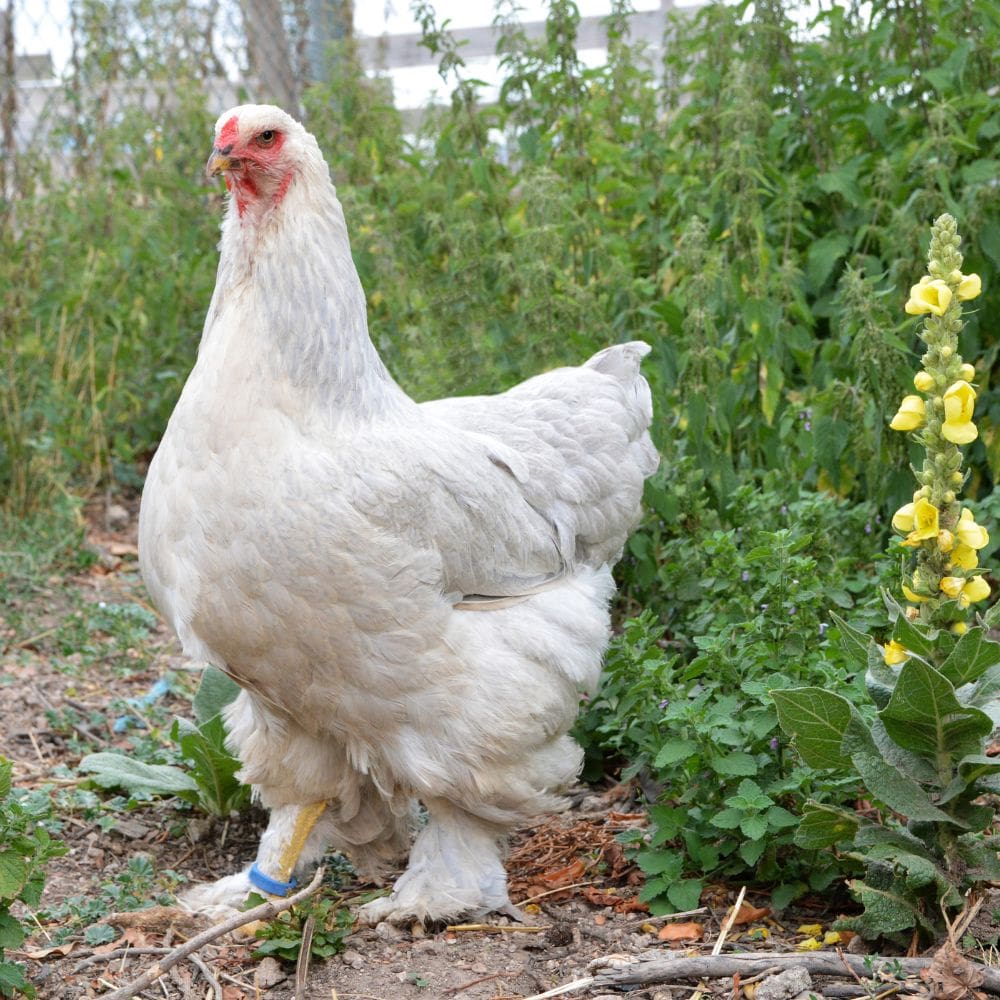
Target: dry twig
[266,911]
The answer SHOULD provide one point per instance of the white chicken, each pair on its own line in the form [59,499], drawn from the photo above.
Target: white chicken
[411,596]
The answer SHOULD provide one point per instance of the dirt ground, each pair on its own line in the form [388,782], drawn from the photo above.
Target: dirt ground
[76,647]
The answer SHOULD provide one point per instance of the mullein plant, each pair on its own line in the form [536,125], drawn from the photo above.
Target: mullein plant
[946,578]
[934,681]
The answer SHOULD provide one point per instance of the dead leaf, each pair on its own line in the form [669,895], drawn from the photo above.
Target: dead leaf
[747,914]
[951,976]
[564,876]
[600,920]
[617,817]
[59,949]
[681,932]
[136,937]
[123,549]
[231,992]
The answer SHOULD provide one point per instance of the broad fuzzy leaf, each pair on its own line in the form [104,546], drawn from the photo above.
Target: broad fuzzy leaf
[215,692]
[815,720]
[924,715]
[115,770]
[823,826]
[888,907]
[973,655]
[854,644]
[886,782]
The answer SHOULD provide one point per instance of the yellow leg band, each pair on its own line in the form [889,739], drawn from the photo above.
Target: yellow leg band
[304,823]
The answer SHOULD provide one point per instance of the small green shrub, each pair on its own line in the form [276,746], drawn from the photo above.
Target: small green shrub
[283,936]
[25,849]
[208,782]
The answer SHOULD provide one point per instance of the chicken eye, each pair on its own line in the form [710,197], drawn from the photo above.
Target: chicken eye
[267,137]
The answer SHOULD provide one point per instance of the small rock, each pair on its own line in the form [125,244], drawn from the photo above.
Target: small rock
[117,515]
[269,973]
[353,959]
[131,829]
[479,969]
[388,932]
[784,985]
[425,946]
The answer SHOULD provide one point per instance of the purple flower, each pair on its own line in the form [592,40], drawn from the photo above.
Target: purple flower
[868,529]
[792,610]
[664,703]
[822,629]
[763,607]
[808,426]
[784,508]
[745,575]
[774,743]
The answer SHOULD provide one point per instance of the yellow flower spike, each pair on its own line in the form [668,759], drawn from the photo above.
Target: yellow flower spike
[912,595]
[967,371]
[932,295]
[959,405]
[902,520]
[910,415]
[964,557]
[952,585]
[894,653]
[976,589]
[923,381]
[959,628]
[945,540]
[969,533]
[969,287]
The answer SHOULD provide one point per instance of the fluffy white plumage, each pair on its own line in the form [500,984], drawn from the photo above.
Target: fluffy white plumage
[411,596]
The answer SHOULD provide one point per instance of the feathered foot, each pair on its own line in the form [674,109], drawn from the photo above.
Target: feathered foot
[291,840]
[455,870]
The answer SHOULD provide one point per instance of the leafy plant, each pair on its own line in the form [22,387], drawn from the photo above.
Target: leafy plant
[25,849]
[209,781]
[922,758]
[134,888]
[935,681]
[282,938]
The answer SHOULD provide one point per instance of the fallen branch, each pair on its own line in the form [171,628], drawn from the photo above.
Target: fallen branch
[496,928]
[658,969]
[266,911]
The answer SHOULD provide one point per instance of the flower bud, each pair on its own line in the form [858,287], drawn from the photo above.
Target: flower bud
[945,540]
[967,372]
[923,381]
[959,628]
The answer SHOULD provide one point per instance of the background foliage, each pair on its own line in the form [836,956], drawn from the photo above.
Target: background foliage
[755,209]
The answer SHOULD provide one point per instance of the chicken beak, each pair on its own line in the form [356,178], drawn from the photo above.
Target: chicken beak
[219,163]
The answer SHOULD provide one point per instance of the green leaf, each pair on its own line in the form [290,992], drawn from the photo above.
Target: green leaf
[914,637]
[823,256]
[215,692]
[924,715]
[815,720]
[886,782]
[685,894]
[667,863]
[13,874]
[887,909]
[753,827]
[727,819]
[673,751]
[973,655]
[6,777]
[115,770]
[213,768]
[853,643]
[823,826]
[11,932]
[779,817]
[751,850]
[735,764]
